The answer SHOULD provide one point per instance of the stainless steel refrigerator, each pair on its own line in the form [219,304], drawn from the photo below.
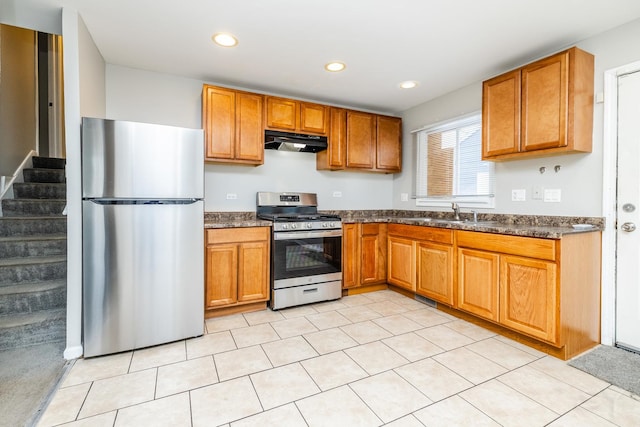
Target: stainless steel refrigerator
[143,228]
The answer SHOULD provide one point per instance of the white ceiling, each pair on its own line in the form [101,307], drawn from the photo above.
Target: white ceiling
[284,44]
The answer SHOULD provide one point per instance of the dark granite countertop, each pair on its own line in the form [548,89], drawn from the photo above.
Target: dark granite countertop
[233,220]
[548,227]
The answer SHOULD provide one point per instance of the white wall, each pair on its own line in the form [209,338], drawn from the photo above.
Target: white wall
[580,176]
[92,75]
[165,99]
[84,93]
[20,13]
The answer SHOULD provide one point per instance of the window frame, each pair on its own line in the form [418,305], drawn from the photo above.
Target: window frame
[479,201]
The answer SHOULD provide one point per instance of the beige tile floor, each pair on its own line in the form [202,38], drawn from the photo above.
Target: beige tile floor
[366,360]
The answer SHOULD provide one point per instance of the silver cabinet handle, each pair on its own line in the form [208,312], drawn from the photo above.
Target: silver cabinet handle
[628,227]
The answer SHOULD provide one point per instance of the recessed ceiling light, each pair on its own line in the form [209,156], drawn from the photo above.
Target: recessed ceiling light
[224,39]
[335,66]
[409,84]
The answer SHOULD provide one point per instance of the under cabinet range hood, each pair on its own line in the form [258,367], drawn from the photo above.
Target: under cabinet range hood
[285,141]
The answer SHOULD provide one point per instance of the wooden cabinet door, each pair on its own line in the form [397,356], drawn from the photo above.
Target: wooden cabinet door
[314,118]
[281,114]
[350,255]
[544,103]
[249,135]
[221,275]
[218,122]
[389,144]
[361,133]
[334,157]
[253,271]
[373,254]
[478,283]
[401,269]
[501,115]
[435,272]
[528,296]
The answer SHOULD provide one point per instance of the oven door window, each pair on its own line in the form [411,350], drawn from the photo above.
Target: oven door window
[307,257]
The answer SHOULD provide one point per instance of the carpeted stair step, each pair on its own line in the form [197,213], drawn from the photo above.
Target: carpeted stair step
[32,297]
[32,226]
[48,162]
[32,328]
[39,190]
[43,175]
[32,207]
[32,269]
[36,246]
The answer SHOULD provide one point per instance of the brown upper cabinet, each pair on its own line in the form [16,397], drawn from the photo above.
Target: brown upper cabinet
[335,156]
[289,115]
[388,144]
[544,108]
[232,123]
[362,141]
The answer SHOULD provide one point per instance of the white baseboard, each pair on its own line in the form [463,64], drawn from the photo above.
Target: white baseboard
[71,353]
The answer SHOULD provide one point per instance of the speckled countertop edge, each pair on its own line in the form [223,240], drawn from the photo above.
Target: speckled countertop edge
[550,227]
[233,220]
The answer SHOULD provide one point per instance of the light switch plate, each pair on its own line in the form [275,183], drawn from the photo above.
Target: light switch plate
[552,195]
[519,195]
[404,197]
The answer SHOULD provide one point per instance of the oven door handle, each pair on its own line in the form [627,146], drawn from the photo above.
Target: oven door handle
[292,235]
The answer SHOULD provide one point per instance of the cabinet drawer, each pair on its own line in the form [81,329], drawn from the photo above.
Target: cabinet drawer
[237,235]
[416,232]
[369,229]
[513,245]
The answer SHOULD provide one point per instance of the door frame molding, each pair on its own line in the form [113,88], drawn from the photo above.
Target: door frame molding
[609,194]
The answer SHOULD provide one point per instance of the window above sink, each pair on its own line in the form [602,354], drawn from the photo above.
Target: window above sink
[449,165]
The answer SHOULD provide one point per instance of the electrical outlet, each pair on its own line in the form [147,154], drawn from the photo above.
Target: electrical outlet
[337,194]
[538,193]
[519,195]
[232,196]
[552,195]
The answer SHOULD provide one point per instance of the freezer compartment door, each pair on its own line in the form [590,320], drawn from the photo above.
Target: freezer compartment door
[143,274]
[141,161]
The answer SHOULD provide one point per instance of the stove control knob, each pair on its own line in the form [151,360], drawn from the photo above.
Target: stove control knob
[309,225]
[333,225]
[294,225]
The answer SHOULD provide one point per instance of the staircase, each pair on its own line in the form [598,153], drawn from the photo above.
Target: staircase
[33,264]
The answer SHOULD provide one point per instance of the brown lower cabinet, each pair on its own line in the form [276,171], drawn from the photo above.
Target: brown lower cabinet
[547,289]
[546,292]
[364,254]
[237,267]
[421,260]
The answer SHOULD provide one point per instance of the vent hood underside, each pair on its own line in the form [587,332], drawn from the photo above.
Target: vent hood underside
[285,141]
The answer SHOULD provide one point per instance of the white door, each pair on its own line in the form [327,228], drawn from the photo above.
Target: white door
[628,213]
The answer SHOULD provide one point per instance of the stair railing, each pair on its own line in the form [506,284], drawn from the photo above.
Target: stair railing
[6,191]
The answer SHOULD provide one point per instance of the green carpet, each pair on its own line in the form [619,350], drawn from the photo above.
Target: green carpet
[613,365]
[27,376]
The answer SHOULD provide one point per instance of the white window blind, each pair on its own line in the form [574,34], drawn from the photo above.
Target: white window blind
[449,165]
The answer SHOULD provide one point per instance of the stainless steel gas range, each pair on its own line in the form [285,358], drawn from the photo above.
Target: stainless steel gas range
[306,249]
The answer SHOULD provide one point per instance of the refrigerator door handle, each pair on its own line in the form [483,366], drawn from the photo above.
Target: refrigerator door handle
[106,202]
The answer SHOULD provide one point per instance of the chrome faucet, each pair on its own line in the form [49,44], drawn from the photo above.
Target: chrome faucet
[456,211]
